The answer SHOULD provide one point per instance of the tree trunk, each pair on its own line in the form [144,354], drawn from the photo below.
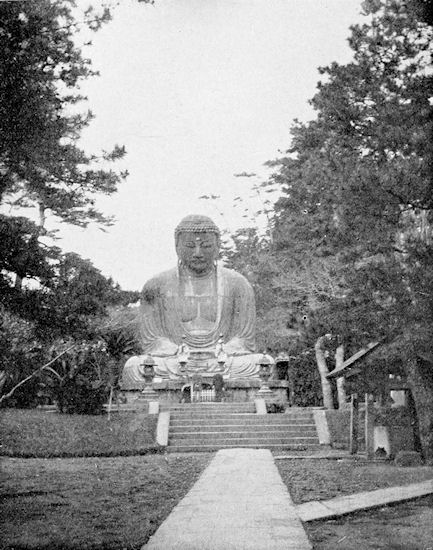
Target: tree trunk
[319,347]
[42,216]
[354,424]
[18,282]
[420,378]
[341,382]
[110,403]
[3,378]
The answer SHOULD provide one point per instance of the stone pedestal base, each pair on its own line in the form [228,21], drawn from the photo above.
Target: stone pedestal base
[237,391]
[267,394]
[143,399]
[148,394]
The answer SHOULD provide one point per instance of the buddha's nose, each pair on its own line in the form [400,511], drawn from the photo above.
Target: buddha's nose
[197,250]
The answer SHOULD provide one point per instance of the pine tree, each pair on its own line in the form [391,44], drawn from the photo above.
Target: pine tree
[41,163]
[353,230]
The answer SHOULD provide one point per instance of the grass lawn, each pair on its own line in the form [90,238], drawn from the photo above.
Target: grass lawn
[91,503]
[406,526]
[117,503]
[99,502]
[37,433]
[323,479]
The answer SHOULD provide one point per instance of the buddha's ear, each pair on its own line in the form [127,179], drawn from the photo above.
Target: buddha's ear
[176,243]
[218,245]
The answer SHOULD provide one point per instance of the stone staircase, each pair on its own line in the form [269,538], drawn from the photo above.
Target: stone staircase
[212,426]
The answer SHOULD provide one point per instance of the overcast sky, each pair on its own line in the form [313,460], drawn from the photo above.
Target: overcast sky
[197,91]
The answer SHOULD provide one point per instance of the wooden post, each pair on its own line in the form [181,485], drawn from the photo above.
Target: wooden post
[341,381]
[110,403]
[319,347]
[289,377]
[369,427]
[354,408]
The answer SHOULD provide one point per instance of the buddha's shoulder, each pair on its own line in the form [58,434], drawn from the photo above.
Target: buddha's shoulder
[161,280]
[170,277]
[234,276]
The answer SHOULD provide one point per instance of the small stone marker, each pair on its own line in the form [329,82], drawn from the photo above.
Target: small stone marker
[408,458]
[153,407]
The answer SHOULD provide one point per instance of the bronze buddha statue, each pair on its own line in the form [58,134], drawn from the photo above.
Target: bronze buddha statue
[198,313]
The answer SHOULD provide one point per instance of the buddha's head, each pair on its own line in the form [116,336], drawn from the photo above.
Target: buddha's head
[197,244]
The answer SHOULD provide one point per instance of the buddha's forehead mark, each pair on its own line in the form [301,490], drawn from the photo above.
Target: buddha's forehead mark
[204,239]
[199,237]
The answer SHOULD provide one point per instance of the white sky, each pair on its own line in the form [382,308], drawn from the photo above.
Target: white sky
[197,90]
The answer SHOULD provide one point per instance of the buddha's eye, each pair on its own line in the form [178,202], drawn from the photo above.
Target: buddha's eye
[189,245]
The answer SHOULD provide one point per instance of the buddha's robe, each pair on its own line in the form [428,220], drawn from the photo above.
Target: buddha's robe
[178,309]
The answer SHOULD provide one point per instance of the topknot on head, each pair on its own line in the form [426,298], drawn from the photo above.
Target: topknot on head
[195,223]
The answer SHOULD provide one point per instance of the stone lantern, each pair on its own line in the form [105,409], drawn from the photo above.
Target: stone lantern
[182,365]
[264,374]
[220,354]
[282,366]
[221,364]
[148,372]
[182,356]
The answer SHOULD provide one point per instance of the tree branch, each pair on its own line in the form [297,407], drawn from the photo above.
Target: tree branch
[37,371]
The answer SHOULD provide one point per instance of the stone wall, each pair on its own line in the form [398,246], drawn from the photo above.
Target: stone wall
[400,435]
[339,427]
[170,391]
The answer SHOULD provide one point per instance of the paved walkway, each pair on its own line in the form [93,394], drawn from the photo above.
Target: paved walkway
[239,503]
[339,506]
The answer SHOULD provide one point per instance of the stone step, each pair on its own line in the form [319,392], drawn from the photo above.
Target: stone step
[193,448]
[217,412]
[240,418]
[235,410]
[213,405]
[238,426]
[213,426]
[257,434]
[212,410]
[239,404]
[241,442]
[287,428]
[205,414]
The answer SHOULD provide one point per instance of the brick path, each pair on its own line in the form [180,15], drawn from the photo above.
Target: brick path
[239,503]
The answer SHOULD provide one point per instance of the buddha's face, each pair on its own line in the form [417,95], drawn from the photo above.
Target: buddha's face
[198,251]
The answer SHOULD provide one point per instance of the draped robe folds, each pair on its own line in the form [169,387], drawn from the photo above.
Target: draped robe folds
[162,329]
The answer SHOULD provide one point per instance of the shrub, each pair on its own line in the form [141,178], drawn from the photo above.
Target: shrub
[408,458]
[20,355]
[392,416]
[274,408]
[82,380]
[79,395]
[304,375]
[50,434]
